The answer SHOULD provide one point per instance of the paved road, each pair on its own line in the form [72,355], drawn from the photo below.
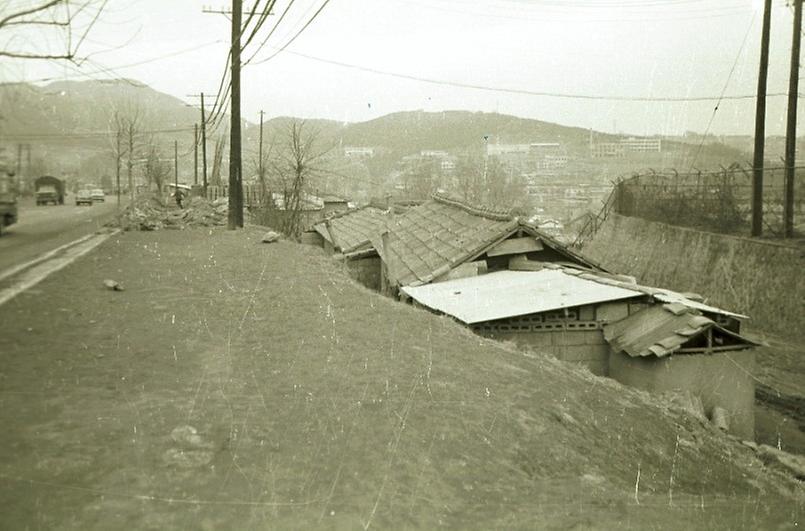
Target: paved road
[41,229]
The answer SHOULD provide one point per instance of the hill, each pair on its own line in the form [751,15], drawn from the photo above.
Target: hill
[68,122]
[241,385]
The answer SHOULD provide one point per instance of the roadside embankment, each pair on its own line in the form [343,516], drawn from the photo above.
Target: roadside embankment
[759,278]
[241,385]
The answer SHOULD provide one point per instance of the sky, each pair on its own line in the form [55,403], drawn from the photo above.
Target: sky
[600,64]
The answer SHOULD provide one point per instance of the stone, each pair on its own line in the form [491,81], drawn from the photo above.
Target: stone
[270,237]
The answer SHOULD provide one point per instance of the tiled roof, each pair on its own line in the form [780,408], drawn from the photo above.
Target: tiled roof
[351,230]
[662,329]
[427,241]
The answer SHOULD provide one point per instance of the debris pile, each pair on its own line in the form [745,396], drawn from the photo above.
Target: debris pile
[148,213]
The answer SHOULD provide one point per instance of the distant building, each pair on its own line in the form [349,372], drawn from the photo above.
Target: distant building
[623,147]
[433,154]
[642,144]
[536,156]
[359,153]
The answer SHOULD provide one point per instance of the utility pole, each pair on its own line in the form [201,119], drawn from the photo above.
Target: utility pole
[117,167]
[19,168]
[130,161]
[203,145]
[791,126]
[235,218]
[30,178]
[195,154]
[176,166]
[260,149]
[760,125]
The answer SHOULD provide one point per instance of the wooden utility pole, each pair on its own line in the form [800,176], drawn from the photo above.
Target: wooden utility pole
[260,149]
[195,154]
[117,166]
[203,145]
[791,126]
[19,168]
[176,166]
[235,218]
[130,161]
[760,125]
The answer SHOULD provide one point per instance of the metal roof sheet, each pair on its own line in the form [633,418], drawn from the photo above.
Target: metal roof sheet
[661,330]
[511,293]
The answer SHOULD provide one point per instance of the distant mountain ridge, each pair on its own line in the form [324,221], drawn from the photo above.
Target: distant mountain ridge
[77,113]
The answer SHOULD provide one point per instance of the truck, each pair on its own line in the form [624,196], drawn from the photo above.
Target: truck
[8,197]
[49,190]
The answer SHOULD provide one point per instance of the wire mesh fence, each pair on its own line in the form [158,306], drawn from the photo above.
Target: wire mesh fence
[718,201]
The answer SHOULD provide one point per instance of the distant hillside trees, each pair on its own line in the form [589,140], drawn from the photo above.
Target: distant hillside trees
[487,181]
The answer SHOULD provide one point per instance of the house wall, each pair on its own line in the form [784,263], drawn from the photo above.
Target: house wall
[312,238]
[576,338]
[366,271]
[722,379]
[762,279]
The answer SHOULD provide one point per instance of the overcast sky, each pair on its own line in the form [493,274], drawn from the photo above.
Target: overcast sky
[600,48]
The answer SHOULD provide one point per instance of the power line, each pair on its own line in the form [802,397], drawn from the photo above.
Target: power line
[549,94]
[298,33]
[110,69]
[721,97]
[270,33]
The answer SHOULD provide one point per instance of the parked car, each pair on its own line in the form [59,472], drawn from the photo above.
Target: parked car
[83,197]
[98,196]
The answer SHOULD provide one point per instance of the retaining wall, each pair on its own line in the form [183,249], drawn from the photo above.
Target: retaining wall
[761,279]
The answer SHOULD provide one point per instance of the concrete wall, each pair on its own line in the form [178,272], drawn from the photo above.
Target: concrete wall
[366,271]
[586,347]
[721,380]
[761,279]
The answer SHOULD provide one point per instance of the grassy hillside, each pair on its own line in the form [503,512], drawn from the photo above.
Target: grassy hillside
[320,404]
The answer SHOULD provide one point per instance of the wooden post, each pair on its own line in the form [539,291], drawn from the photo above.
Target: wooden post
[791,127]
[235,218]
[195,154]
[203,146]
[760,125]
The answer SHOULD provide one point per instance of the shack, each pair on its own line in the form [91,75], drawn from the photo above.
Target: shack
[672,347]
[613,326]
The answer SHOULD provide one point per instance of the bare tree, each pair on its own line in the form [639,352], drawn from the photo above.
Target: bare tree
[60,27]
[220,145]
[155,170]
[297,164]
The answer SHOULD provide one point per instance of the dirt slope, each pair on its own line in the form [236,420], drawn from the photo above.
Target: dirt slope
[242,385]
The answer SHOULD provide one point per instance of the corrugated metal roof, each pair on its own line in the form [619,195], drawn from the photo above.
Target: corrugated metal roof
[351,230]
[511,293]
[662,329]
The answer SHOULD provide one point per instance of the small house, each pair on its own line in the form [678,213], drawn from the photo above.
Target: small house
[673,347]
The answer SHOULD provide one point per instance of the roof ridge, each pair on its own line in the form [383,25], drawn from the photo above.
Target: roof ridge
[342,213]
[475,210]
